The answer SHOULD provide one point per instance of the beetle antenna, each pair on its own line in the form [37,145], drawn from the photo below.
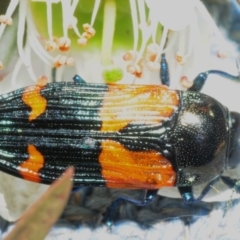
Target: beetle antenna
[164,72]
[201,78]
[78,79]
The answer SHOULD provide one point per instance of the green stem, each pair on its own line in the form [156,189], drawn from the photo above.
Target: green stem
[109,21]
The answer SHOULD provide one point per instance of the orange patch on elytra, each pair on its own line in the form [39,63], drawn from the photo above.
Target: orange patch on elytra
[32,97]
[29,169]
[146,104]
[122,168]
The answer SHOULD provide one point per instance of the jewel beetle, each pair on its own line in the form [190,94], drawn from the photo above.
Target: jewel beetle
[118,136]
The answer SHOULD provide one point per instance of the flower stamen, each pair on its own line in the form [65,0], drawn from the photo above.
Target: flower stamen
[74,20]
[11,7]
[49,19]
[136,69]
[108,31]
[64,44]
[193,27]
[180,58]
[73,23]
[37,47]
[184,82]
[67,16]
[20,36]
[135,23]
[111,73]
[89,31]
[153,66]
[74,5]
[162,42]
[5,20]
[70,61]
[82,41]
[145,28]
[50,46]
[61,60]
[151,51]
[130,55]
[95,11]
[42,81]
[16,71]
[151,55]
[154,25]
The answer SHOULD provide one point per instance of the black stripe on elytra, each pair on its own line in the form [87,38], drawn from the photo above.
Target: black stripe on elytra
[143,137]
[79,145]
[64,133]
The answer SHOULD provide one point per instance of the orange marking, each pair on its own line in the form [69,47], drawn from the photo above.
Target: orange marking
[124,104]
[29,169]
[42,81]
[33,99]
[128,169]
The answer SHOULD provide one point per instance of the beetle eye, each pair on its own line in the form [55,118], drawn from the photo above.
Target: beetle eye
[234,148]
[235,118]
[234,158]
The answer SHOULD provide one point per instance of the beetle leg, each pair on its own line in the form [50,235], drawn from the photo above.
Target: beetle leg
[188,196]
[109,214]
[232,183]
[149,196]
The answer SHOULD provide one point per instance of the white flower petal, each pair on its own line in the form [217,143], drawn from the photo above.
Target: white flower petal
[173,14]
